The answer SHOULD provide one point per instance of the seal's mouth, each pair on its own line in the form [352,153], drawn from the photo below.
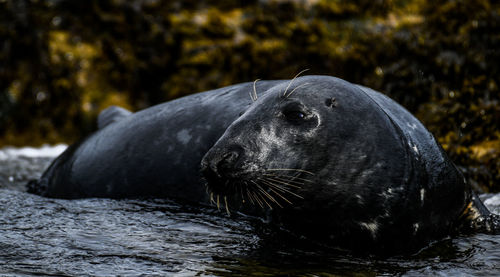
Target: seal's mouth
[268,188]
[231,173]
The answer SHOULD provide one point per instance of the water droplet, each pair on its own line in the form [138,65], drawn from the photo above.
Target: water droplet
[11,178]
[40,96]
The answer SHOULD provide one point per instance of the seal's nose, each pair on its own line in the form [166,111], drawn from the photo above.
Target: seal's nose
[218,164]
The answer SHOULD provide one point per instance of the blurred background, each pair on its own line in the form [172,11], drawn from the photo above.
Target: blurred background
[62,61]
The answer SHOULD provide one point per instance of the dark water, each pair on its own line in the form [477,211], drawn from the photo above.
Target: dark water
[103,237]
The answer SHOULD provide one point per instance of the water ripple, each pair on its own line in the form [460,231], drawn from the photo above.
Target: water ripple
[155,237]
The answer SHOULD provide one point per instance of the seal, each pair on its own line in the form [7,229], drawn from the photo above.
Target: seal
[154,152]
[316,155]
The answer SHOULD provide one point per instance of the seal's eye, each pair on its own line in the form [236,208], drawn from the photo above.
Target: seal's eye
[294,115]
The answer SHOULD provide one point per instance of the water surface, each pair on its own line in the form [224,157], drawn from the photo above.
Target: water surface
[156,237]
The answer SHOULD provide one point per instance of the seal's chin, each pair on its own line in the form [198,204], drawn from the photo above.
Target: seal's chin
[271,188]
[227,184]
[223,190]
[230,175]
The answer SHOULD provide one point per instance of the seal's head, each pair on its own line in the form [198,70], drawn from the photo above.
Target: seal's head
[321,153]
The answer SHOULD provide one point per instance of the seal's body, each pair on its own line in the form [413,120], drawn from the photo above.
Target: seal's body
[154,152]
[334,161]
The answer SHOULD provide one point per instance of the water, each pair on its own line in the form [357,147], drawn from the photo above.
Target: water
[155,237]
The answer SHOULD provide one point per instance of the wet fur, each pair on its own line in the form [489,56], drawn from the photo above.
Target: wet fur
[358,172]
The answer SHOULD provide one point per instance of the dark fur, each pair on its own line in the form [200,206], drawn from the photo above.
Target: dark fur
[369,175]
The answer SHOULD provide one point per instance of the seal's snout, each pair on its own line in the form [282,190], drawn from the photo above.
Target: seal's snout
[221,163]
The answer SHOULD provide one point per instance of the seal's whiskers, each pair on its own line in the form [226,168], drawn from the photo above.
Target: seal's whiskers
[281,188]
[254,95]
[291,81]
[279,195]
[212,198]
[227,208]
[293,179]
[285,182]
[255,195]
[270,189]
[241,193]
[301,85]
[290,169]
[263,198]
[250,196]
[265,193]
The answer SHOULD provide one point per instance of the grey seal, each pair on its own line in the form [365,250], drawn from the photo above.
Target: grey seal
[316,155]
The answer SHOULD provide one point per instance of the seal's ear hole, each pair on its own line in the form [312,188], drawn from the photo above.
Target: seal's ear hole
[331,102]
[241,113]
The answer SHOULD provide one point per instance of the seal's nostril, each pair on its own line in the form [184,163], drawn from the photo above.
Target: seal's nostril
[209,170]
[228,160]
[219,164]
